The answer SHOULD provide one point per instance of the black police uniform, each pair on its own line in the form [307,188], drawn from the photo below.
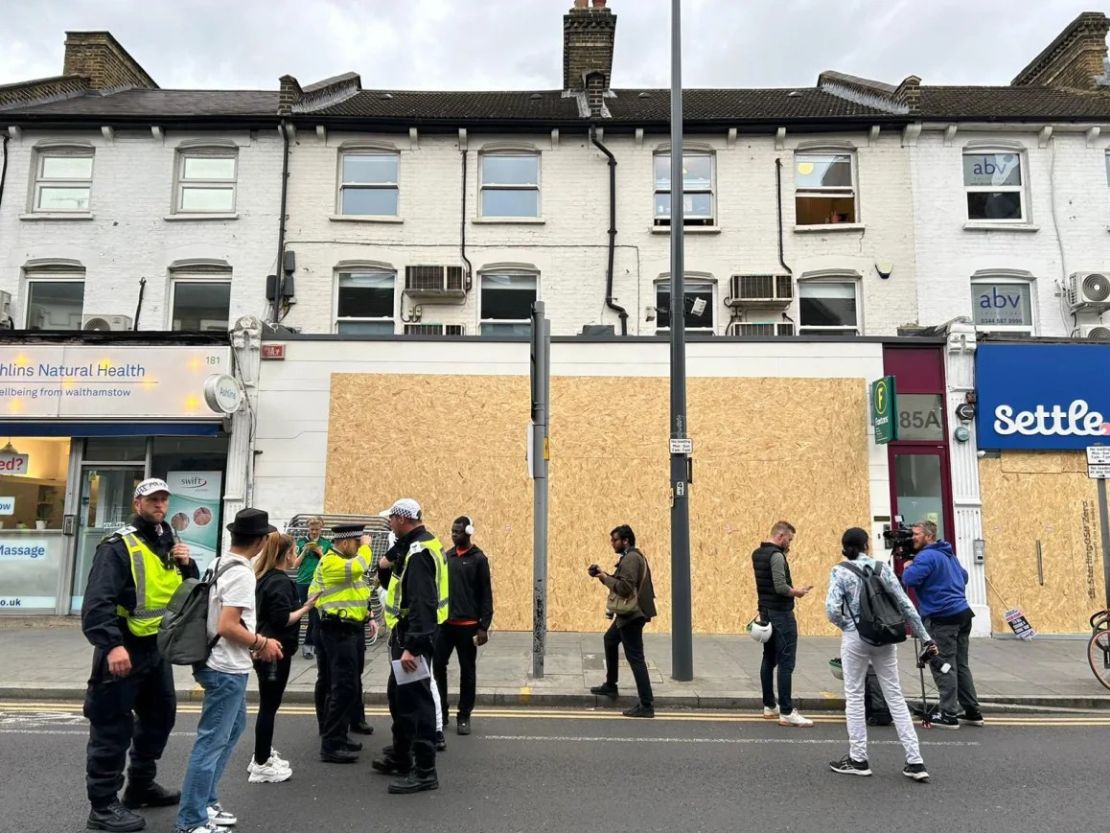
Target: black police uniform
[136,711]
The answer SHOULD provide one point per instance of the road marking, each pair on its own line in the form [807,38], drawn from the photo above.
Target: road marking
[799,741]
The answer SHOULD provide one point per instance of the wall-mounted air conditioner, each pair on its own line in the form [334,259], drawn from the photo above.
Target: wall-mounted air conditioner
[1092,332]
[1089,290]
[435,283]
[105,323]
[760,290]
[769,329]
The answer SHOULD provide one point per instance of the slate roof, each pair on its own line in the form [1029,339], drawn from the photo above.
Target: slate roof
[159,103]
[1000,103]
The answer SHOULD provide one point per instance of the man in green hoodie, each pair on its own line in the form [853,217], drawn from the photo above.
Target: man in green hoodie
[309,552]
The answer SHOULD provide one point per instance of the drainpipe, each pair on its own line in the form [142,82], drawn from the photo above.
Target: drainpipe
[4,169]
[778,196]
[619,310]
[462,228]
[281,220]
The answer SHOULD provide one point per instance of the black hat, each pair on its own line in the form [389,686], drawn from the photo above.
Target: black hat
[251,523]
[340,532]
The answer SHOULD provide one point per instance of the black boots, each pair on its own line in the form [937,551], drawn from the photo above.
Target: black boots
[152,795]
[115,818]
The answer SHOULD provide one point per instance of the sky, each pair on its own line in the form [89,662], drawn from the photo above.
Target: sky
[517,44]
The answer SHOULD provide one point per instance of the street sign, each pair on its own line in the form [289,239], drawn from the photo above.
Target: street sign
[682,445]
[883,408]
[273,351]
[1098,471]
[1098,462]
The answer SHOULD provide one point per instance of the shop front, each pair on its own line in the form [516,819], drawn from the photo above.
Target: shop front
[82,424]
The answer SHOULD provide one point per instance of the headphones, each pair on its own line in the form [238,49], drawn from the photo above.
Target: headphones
[469,528]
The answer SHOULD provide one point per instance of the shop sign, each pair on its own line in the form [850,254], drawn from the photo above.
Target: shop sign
[1042,396]
[14,463]
[883,409]
[78,381]
[194,512]
[7,505]
[23,549]
[223,393]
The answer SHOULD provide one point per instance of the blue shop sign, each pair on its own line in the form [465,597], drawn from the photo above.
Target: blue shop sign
[1043,396]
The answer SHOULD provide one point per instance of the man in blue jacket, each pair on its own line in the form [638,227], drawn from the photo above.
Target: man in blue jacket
[940,581]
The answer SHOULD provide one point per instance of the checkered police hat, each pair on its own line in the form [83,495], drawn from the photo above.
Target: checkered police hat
[150,486]
[406,507]
[340,532]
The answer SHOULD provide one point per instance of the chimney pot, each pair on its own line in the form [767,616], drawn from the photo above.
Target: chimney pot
[588,39]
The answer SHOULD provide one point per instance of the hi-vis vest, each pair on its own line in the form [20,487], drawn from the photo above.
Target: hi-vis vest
[393,610]
[342,586]
[155,584]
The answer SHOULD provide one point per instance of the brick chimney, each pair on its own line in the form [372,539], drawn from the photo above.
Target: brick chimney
[1074,60]
[588,36]
[98,57]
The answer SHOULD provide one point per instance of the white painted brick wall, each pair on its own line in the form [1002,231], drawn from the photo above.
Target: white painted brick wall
[129,237]
[947,255]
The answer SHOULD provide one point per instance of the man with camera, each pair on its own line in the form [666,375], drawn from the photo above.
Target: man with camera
[940,581]
[632,605]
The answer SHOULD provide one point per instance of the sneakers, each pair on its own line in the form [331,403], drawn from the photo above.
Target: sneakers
[944,721]
[268,773]
[152,795]
[795,719]
[916,772]
[605,690]
[204,828]
[640,710]
[275,759]
[220,817]
[771,713]
[116,818]
[848,766]
[462,725]
[971,718]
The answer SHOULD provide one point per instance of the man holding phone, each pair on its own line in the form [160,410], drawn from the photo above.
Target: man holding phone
[776,605]
[309,552]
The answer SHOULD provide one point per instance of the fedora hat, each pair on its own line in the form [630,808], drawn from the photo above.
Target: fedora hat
[251,523]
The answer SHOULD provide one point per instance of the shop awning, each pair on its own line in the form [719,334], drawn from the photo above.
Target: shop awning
[61,428]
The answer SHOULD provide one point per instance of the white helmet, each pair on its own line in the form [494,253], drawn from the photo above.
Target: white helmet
[759,631]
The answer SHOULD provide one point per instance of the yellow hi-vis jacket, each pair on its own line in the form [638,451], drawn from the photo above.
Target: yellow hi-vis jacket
[341,583]
[155,583]
[393,610]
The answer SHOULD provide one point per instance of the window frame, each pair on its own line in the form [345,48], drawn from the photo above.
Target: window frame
[691,278]
[1003,278]
[57,278]
[1021,190]
[177,279]
[39,181]
[827,191]
[688,220]
[383,185]
[852,280]
[359,270]
[182,183]
[483,186]
[483,321]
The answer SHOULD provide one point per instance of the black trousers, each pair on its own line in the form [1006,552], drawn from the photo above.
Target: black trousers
[457,638]
[135,712]
[337,678]
[270,692]
[631,636]
[358,713]
[414,718]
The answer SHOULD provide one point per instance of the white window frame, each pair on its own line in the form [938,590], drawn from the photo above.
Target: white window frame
[355,270]
[688,219]
[511,273]
[183,184]
[39,181]
[38,277]
[383,185]
[177,279]
[844,278]
[1013,278]
[691,279]
[484,186]
[1022,189]
[825,191]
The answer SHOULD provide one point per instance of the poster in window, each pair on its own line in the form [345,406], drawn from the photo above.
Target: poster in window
[194,512]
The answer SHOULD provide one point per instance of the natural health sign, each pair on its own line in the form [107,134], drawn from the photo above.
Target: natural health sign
[883,409]
[87,382]
[1042,396]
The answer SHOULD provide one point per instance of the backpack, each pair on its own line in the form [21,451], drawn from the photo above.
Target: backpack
[183,632]
[880,621]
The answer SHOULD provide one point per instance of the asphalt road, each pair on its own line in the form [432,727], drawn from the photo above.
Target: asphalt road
[580,772]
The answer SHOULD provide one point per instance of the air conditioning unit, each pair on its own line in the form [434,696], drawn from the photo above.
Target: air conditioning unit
[435,330]
[105,323]
[1092,332]
[435,283]
[1089,290]
[769,329]
[760,290]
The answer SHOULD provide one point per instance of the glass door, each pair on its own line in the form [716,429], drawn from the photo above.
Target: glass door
[921,487]
[103,507]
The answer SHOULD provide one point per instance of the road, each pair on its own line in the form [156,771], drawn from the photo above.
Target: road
[580,772]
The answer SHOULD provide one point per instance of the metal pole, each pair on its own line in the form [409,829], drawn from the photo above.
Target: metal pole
[1104,534]
[682,645]
[541,395]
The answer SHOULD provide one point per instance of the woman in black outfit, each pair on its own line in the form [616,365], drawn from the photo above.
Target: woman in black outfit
[278,617]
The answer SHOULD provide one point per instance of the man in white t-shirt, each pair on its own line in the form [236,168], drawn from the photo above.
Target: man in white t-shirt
[223,715]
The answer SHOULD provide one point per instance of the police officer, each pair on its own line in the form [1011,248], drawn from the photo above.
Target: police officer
[415,605]
[344,606]
[130,701]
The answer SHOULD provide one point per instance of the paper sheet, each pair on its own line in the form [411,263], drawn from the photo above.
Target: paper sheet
[404,677]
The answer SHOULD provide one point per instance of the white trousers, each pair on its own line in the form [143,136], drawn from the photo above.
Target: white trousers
[439,708]
[855,655]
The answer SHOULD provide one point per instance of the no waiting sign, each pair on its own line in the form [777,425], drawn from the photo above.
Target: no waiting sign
[1098,462]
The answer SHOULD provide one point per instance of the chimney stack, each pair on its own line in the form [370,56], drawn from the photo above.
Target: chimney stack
[1074,60]
[588,37]
[98,57]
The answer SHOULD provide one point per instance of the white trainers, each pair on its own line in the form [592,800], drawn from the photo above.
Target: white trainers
[220,817]
[268,773]
[771,714]
[275,759]
[796,719]
[204,828]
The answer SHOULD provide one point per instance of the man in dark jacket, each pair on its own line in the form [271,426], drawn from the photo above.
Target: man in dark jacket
[130,701]
[940,581]
[469,614]
[777,593]
[632,576]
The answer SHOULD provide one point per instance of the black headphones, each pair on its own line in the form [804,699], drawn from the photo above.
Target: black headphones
[469,528]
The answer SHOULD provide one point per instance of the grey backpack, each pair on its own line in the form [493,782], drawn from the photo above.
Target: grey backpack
[183,632]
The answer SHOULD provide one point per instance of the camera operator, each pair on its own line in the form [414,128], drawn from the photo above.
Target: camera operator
[631,580]
[940,582]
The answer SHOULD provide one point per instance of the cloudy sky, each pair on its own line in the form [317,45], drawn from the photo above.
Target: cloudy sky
[516,44]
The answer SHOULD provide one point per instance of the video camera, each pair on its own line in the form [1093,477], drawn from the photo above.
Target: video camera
[898,539]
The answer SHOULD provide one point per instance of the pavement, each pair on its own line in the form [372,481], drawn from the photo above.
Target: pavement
[48,658]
